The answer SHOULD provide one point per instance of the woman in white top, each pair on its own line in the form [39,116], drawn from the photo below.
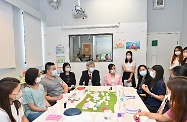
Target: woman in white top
[129,67]
[176,58]
[9,94]
[4,116]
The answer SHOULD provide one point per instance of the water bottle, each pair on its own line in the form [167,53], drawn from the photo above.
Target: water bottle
[137,118]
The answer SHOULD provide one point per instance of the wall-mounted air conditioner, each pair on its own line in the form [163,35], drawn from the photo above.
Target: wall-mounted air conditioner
[158,4]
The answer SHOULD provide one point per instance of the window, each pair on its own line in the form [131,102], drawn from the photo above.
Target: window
[91,47]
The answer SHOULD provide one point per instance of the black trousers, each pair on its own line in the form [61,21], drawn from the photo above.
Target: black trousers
[126,76]
[152,108]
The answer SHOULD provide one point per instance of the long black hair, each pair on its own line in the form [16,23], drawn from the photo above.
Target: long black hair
[159,75]
[7,85]
[126,60]
[138,72]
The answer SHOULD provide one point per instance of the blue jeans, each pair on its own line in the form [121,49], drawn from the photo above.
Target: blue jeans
[32,117]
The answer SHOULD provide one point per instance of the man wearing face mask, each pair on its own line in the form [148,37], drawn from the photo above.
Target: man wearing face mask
[53,85]
[90,77]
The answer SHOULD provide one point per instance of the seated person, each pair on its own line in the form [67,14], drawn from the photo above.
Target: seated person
[177,113]
[97,58]
[156,91]
[176,71]
[53,85]
[68,77]
[90,76]
[34,100]
[11,109]
[90,58]
[112,78]
[143,78]
[78,59]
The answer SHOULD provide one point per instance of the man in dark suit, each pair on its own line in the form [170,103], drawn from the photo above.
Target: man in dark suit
[90,76]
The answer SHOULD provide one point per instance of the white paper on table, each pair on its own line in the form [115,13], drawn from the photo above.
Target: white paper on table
[127,84]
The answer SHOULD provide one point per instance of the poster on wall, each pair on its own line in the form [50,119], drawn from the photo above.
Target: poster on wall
[87,49]
[133,46]
[60,60]
[119,44]
[60,49]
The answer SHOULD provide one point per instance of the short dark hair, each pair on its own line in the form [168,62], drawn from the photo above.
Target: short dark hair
[7,85]
[64,65]
[48,66]
[31,75]
[179,71]
[184,49]
[110,66]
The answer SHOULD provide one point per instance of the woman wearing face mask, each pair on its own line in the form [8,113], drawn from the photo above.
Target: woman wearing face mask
[129,67]
[10,93]
[34,95]
[157,89]
[68,77]
[178,112]
[176,71]
[143,78]
[184,62]
[177,58]
[112,78]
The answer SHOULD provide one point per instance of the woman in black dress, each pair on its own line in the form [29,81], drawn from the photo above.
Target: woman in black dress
[143,78]
[129,67]
[68,77]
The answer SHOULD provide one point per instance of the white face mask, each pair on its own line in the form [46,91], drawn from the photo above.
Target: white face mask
[38,79]
[128,57]
[67,69]
[54,73]
[92,69]
[113,71]
[177,53]
[18,96]
[152,74]
[168,96]
[143,73]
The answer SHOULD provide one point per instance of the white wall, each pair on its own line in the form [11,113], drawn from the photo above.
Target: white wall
[35,4]
[128,32]
[184,26]
[167,19]
[99,12]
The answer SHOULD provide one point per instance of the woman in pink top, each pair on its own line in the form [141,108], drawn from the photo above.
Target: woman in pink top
[178,112]
[112,78]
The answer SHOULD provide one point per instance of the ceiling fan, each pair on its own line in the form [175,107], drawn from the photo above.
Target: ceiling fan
[55,3]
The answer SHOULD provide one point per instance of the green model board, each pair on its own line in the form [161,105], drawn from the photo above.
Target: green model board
[110,105]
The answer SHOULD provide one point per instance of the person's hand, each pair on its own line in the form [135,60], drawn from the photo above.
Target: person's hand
[145,88]
[140,114]
[129,80]
[60,97]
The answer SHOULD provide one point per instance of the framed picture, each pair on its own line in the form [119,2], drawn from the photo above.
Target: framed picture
[87,47]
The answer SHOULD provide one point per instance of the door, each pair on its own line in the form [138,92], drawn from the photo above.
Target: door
[160,48]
